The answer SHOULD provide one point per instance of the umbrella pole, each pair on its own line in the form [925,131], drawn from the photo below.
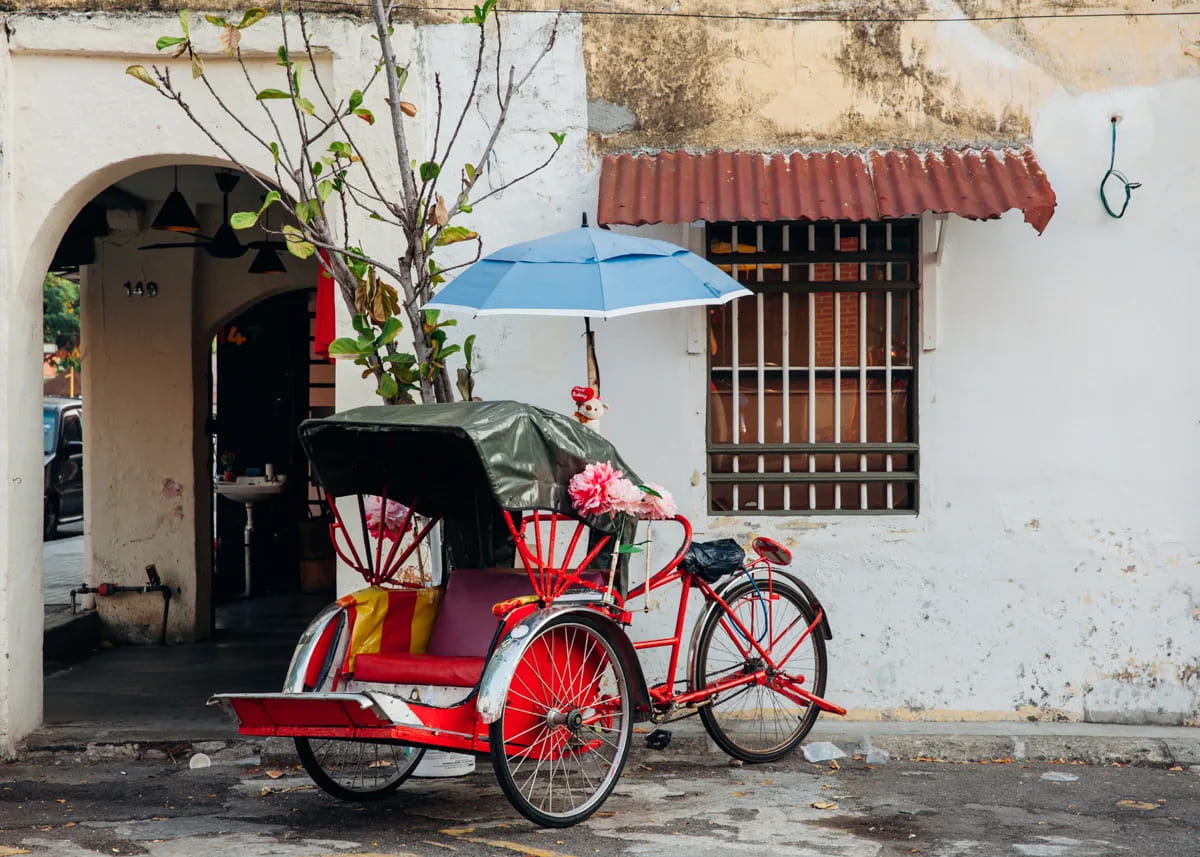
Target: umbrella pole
[593,368]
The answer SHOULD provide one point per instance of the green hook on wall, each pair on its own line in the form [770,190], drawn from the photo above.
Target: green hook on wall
[1113,173]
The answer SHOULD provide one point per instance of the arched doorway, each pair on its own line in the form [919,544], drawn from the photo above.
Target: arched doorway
[148,314]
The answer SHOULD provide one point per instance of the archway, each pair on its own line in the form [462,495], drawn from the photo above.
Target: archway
[147,322]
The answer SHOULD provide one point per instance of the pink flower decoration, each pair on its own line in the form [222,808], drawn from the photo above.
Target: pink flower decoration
[589,489]
[384,523]
[656,508]
[624,497]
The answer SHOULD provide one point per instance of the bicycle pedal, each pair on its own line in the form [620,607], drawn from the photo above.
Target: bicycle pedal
[658,739]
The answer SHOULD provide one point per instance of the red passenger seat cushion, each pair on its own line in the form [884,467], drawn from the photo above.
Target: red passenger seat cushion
[465,625]
[403,668]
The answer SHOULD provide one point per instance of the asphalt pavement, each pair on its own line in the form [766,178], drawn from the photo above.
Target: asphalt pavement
[662,808]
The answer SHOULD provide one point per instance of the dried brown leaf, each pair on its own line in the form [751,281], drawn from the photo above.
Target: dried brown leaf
[824,804]
[1136,804]
[408,108]
[274,774]
[230,37]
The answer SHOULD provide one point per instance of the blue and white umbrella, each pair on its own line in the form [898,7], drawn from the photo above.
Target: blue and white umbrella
[587,272]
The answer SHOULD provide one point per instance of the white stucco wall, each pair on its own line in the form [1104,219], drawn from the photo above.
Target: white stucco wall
[1052,570]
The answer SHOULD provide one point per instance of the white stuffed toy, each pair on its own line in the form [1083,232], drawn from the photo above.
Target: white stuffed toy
[588,407]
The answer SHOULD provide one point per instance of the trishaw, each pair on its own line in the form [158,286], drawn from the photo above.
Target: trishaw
[520,652]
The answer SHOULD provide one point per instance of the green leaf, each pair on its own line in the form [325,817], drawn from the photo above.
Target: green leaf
[388,388]
[252,17]
[623,549]
[316,168]
[429,171]
[360,323]
[296,244]
[264,94]
[185,22]
[307,106]
[340,149]
[446,352]
[324,189]
[374,216]
[469,169]
[454,234]
[403,360]
[344,346]
[139,72]
[282,53]
[356,98]
[168,41]
[391,328]
[469,348]
[648,490]
[294,79]
[558,136]
[307,209]
[366,115]
[243,219]
[401,77]
[197,66]
[465,209]
[275,151]
[216,21]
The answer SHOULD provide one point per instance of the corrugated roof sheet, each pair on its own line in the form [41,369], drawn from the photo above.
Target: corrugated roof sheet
[678,187]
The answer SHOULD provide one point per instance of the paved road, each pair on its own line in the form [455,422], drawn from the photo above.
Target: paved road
[62,559]
[661,808]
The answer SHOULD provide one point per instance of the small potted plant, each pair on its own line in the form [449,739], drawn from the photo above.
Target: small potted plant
[228,461]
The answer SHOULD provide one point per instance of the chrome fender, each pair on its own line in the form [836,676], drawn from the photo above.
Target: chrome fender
[305,648]
[497,675]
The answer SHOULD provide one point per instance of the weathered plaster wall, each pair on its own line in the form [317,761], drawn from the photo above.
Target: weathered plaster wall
[73,66]
[868,80]
[1052,572]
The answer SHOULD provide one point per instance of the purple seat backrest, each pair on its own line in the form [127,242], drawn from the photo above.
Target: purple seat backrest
[464,626]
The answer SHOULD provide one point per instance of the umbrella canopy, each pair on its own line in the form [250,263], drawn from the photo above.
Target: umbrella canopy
[587,272]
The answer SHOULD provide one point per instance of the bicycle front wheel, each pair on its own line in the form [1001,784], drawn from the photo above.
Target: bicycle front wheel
[357,770]
[754,722]
[562,740]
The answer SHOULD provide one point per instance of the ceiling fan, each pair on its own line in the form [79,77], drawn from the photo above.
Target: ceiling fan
[224,243]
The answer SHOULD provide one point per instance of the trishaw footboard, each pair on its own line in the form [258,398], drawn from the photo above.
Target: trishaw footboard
[343,715]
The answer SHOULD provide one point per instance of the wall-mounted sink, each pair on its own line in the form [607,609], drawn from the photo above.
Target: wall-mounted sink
[248,489]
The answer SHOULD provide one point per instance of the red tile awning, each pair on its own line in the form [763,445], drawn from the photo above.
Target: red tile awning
[678,187]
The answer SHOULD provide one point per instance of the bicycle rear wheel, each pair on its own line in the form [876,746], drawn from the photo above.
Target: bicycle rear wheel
[754,722]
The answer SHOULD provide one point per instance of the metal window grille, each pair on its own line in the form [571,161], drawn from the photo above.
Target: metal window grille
[812,381]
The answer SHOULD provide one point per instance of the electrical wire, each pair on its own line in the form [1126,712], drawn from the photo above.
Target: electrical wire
[808,18]
[1113,173]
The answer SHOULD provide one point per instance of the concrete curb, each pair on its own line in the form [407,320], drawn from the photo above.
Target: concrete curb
[1095,744]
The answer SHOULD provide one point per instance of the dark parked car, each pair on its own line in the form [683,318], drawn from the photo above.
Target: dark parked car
[62,442]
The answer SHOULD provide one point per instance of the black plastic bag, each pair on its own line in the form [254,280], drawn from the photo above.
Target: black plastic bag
[710,561]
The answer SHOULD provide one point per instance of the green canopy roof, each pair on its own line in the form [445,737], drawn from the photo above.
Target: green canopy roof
[443,460]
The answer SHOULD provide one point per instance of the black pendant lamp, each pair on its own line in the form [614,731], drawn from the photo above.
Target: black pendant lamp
[267,261]
[175,214]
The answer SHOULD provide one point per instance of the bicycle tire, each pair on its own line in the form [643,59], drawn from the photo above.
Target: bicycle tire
[568,709]
[721,720]
[362,775]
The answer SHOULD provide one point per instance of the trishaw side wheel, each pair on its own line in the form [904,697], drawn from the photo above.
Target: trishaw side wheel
[754,722]
[357,770]
[561,742]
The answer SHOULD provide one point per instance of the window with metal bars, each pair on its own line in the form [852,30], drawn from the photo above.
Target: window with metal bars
[812,381]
